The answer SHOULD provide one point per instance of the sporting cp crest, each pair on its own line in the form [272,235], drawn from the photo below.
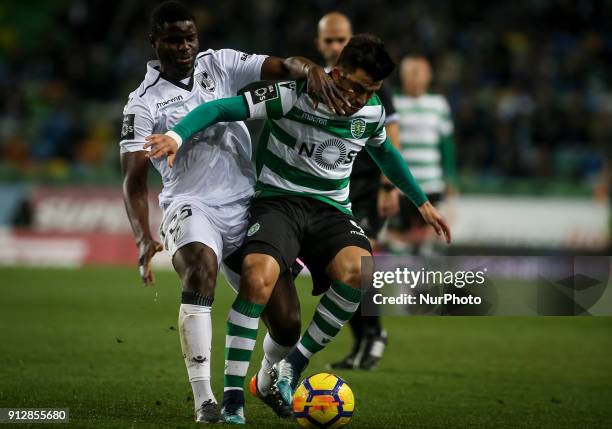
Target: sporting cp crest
[253,229]
[206,82]
[358,127]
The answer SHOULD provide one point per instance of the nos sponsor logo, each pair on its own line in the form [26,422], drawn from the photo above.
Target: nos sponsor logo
[330,154]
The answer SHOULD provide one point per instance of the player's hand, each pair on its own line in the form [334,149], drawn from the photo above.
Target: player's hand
[146,249]
[161,145]
[435,219]
[388,202]
[322,87]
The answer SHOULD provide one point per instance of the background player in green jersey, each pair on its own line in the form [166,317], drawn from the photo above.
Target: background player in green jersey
[301,207]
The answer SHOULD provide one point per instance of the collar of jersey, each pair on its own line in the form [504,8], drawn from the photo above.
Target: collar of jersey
[154,74]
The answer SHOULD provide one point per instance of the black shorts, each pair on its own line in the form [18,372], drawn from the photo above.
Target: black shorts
[289,227]
[409,215]
[364,200]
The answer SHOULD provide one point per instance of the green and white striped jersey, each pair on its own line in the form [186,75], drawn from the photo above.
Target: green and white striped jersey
[425,122]
[306,151]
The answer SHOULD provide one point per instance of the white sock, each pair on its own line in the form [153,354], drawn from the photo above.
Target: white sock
[273,353]
[195,329]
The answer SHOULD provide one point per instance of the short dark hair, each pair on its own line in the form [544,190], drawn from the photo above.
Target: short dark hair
[367,52]
[169,11]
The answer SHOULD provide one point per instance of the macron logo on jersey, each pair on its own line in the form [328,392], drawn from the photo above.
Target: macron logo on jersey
[172,100]
[317,120]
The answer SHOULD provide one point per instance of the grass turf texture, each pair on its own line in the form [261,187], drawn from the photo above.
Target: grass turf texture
[95,341]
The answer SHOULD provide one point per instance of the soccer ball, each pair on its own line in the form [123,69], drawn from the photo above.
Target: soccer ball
[323,401]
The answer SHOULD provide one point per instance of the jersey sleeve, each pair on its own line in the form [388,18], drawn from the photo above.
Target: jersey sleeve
[446,121]
[380,135]
[393,166]
[242,68]
[137,124]
[384,93]
[271,99]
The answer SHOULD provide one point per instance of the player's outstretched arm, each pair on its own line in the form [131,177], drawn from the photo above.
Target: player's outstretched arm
[134,166]
[390,161]
[388,195]
[207,114]
[268,100]
[320,85]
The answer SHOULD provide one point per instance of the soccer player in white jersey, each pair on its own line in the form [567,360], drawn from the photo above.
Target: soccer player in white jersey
[426,137]
[302,205]
[205,196]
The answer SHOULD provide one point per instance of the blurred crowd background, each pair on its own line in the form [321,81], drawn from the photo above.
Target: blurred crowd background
[529,81]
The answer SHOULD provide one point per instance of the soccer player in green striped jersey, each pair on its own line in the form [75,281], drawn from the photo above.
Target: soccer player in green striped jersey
[426,139]
[372,201]
[301,206]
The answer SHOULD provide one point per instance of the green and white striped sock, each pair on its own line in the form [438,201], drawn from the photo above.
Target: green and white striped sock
[335,308]
[242,325]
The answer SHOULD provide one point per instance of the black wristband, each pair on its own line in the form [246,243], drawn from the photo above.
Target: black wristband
[387,187]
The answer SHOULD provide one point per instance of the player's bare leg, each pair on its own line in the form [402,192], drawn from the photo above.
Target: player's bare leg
[196,265]
[335,308]
[260,273]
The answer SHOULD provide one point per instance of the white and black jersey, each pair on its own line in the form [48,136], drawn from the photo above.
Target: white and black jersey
[213,166]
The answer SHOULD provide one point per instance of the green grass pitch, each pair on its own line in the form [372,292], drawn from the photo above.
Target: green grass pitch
[95,341]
